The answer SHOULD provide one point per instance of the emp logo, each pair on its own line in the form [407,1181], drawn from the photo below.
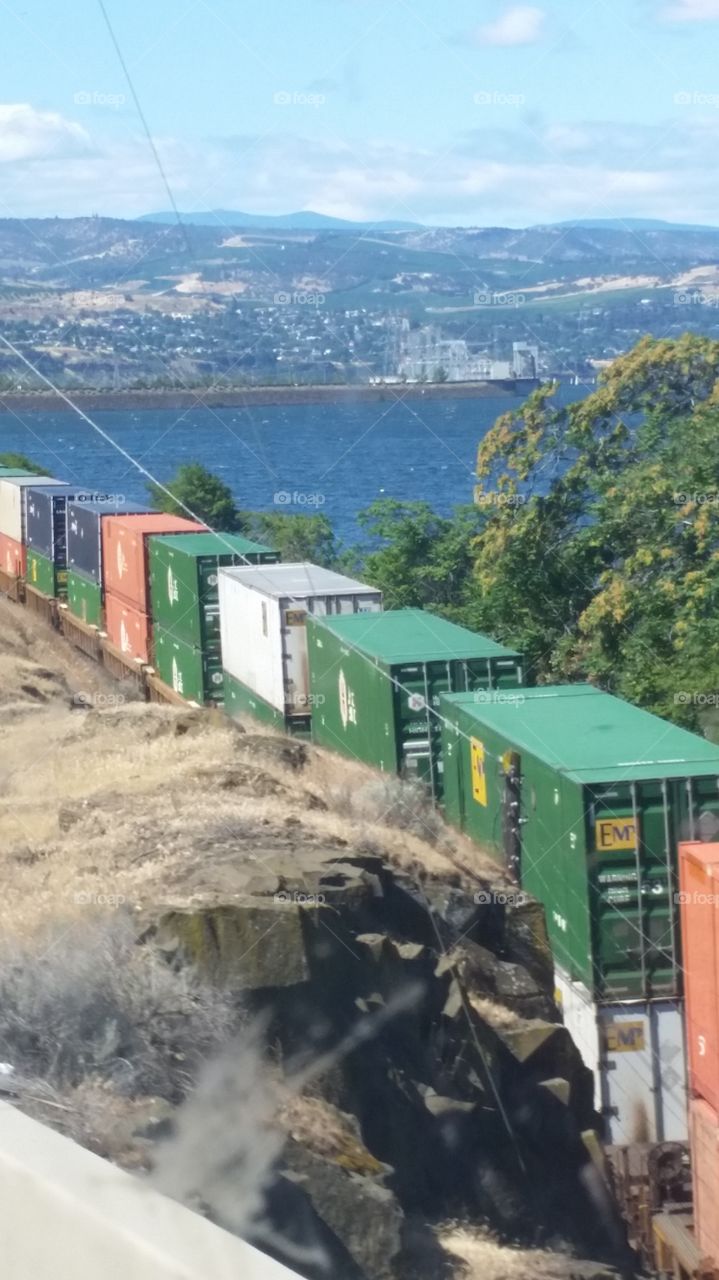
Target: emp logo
[615,833]
[624,1037]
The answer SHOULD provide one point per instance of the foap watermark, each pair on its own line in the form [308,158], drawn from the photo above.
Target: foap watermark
[300,700]
[696,899]
[95,98]
[501,697]
[501,898]
[292,897]
[686,698]
[297,498]
[695,298]
[298,98]
[500,500]
[100,701]
[488,298]
[300,298]
[695,98]
[87,898]
[498,98]
[709,499]
[101,499]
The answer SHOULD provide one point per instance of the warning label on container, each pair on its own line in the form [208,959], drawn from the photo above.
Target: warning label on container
[624,1037]
[479,776]
[615,833]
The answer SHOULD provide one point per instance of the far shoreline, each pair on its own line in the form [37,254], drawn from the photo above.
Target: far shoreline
[244,397]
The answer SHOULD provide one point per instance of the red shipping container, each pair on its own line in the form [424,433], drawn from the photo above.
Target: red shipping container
[13,557]
[699,903]
[124,552]
[704,1139]
[127,628]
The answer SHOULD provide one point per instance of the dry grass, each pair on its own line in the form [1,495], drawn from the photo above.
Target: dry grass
[100,1007]
[107,800]
[480,1257]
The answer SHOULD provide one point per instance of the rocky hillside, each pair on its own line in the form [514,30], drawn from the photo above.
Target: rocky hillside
[280,987]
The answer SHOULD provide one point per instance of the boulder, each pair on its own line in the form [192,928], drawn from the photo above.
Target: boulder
[354,1204]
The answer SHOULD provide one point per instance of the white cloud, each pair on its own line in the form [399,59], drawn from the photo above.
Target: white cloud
[27,134]
[522,24]
[495,174]
[693,11]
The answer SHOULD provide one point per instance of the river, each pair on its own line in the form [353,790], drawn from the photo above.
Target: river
[334,459]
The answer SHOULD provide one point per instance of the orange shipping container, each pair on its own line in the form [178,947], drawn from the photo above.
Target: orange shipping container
[13,557]
[704,1136]
[124,552]
[699,902]
[127,628]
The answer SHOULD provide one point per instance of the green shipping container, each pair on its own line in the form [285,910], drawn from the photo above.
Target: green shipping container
[376,681]
[184,597]
[44,575]
[191,672]
[84,598]
[584,798]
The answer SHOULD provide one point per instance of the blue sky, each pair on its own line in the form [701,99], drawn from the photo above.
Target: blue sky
[474,112]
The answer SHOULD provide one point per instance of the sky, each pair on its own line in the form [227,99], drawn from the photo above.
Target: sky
[471,112]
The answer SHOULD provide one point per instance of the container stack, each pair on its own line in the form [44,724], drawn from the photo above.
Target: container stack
[126,577]
[47,536]
[185,606]
[85,598]
[699,898]
[585,798]
[13,518]
[263,616]
[377,681]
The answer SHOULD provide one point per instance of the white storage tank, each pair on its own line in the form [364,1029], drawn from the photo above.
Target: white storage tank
[635,1049]
[13,502]
[263,609]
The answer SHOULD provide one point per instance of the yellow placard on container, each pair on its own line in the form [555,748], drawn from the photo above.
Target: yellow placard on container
[479,777]
[615,833]
[624,1037]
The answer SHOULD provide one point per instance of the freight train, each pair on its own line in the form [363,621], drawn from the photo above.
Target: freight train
[584,799]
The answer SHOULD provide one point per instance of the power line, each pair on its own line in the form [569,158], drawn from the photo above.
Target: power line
[145,125]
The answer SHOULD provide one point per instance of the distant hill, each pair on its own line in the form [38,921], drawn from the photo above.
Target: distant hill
[303,221]
[632,224]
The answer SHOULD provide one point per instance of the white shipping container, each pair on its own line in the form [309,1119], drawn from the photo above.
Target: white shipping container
[13,502]
[636,1052]
[263,609]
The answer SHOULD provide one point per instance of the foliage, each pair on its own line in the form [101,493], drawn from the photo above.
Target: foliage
[22,463]
[196,492]
[423,559]
[296,537]
[601,560]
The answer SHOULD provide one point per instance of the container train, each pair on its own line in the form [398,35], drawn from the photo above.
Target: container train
[584,799]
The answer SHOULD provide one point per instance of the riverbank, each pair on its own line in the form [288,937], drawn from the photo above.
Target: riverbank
[240,397]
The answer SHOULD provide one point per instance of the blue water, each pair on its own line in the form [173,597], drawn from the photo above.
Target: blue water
[335,459]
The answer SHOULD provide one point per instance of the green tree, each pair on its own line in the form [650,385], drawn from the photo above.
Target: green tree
[423,560]
[440,374]
[195,489]
[601,555]
[296,537]
[21,462]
